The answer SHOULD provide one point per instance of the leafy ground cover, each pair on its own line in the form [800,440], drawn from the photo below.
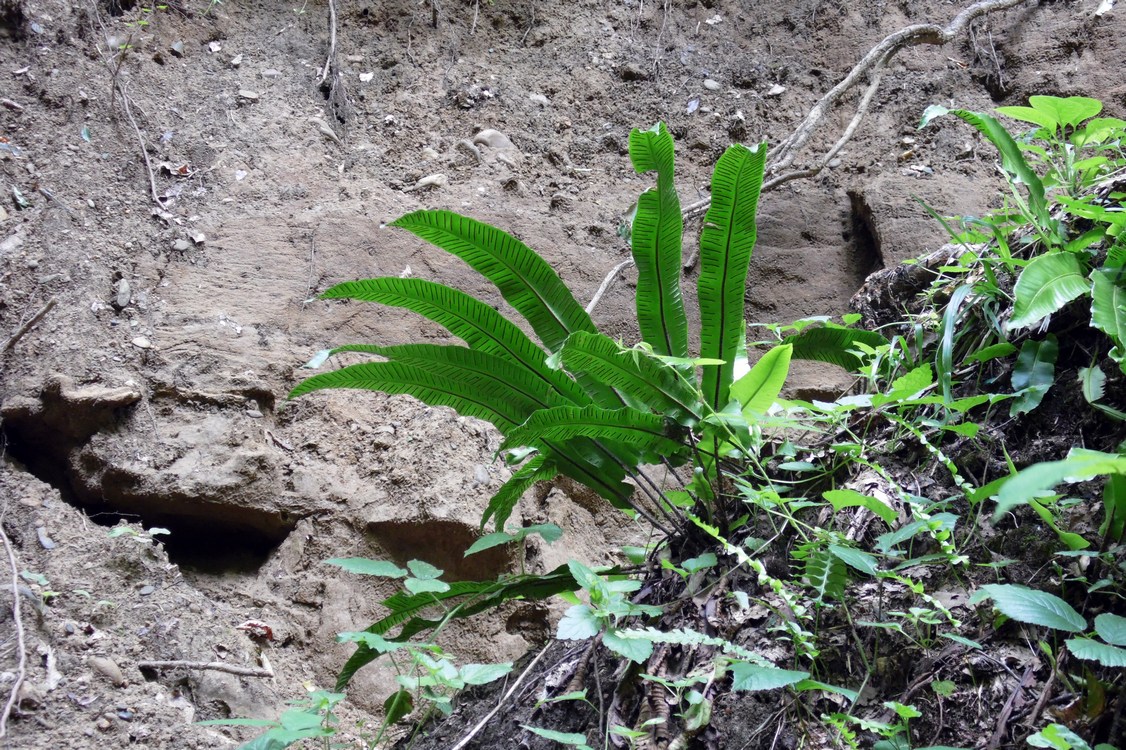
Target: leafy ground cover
[857,554]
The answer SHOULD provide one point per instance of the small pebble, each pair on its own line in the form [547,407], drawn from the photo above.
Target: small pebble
[181,245]
[123,294]
[711,85]
[214,46]
[271,73]
[147,589]
[248,95]
[253,413]
[366,77]
[103,724]
[432,181]
[125,714]
[45,541]
[492,139]
[107,668]
[236,61]
[142,343]
[540,99]
[776,90]
[634,72]
[177,48]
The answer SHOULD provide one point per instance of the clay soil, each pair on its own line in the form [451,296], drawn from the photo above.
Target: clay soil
[177,183]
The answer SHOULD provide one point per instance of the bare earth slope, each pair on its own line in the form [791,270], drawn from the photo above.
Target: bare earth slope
[152,390]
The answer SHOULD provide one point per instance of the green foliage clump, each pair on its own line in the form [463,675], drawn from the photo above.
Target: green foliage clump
[758,472]
[580,403]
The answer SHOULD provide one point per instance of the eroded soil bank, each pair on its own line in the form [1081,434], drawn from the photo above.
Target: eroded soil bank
[151,392]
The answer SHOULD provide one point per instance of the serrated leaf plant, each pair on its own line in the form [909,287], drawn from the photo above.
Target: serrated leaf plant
[577,402]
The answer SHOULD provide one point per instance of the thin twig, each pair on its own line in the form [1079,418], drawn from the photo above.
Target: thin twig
[488,717]
[312,265]
[531,24]
[216,666]
[22,330]
[606,282]
[127,104]
[1007,711]
[21,669]
[910,36]
[330,60]
[116,87]
[1045,696]
[660,34]
[476,12]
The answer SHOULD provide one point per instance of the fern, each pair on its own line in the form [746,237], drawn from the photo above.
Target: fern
[826,575]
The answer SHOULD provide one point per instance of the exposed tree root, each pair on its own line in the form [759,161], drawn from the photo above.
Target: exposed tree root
[870,67]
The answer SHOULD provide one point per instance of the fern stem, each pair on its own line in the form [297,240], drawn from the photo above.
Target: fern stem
[662,500]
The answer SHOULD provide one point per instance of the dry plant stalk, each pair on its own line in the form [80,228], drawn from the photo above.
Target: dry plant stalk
[21,669]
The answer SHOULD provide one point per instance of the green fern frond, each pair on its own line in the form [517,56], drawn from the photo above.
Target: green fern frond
[526,280]
[726,243]
[655,385]
[474,322]
[657,233]
[648,434]
[490,399]
[834,344]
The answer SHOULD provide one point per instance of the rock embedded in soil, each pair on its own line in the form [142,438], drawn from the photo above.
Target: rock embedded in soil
[108,668]
[493,139]
[123,294]
[634,72]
